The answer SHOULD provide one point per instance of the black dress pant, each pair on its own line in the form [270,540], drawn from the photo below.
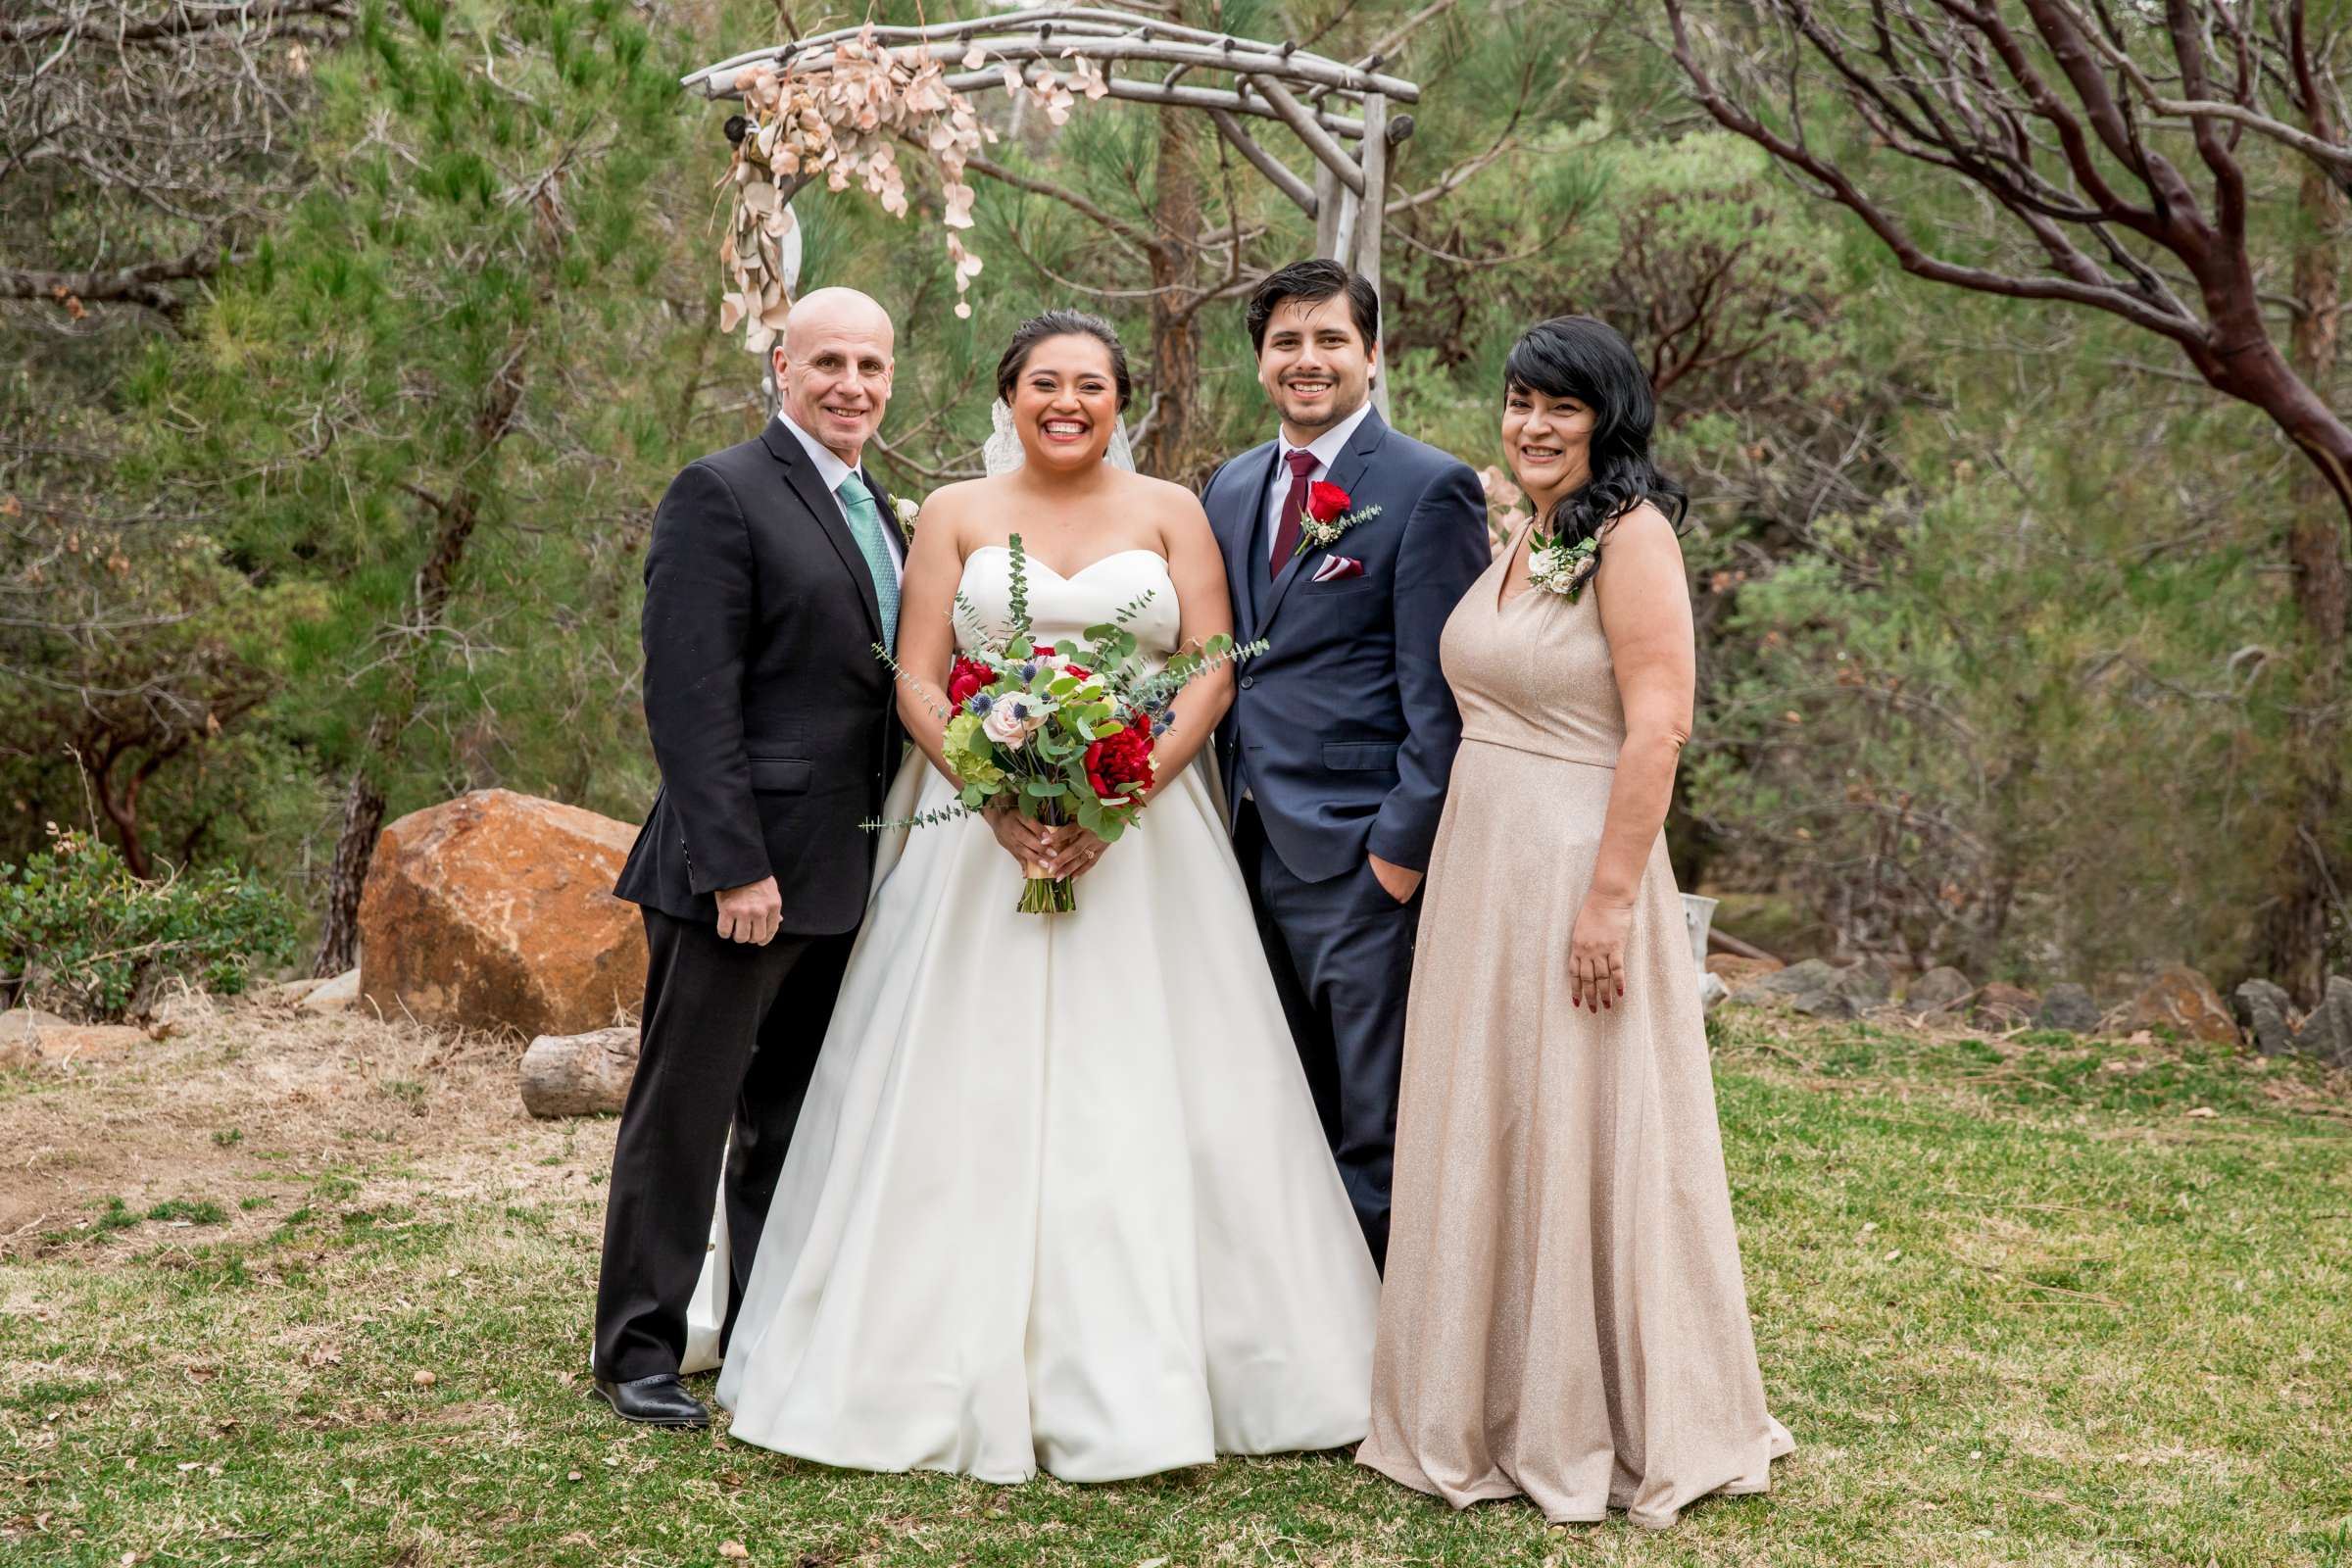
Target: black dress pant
[730,1035]
[1342,952]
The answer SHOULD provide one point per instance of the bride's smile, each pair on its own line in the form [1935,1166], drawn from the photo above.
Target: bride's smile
[1066,403]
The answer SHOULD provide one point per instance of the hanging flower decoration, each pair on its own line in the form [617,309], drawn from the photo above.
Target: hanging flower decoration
[848,120]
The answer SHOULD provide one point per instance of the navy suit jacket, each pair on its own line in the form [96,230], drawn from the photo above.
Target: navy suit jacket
[1344,731]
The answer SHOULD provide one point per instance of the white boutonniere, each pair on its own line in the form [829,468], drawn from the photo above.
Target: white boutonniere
[908,512]
[1559,568]
[1327,518]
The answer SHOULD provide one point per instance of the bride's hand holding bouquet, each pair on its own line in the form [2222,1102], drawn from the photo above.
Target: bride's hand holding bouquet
[1052,742]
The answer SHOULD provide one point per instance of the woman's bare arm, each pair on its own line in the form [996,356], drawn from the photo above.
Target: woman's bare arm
[1204,611]
[1645,614]
[927,651]
[926,631]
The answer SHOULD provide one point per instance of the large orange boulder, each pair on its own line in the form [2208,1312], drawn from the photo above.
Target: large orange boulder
[497,909]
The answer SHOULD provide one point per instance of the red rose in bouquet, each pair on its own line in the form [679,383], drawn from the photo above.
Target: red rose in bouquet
[1325,502]
[968,676]
[1121,763]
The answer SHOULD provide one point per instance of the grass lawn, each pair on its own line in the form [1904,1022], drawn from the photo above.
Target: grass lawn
[307,1292]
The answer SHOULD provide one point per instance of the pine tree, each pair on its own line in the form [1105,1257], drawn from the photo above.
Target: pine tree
[409,390]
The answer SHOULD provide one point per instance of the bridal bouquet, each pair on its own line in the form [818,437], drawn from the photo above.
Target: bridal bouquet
[1060,732]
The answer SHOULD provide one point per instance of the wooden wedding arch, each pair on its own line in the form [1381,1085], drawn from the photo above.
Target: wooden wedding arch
[846,106]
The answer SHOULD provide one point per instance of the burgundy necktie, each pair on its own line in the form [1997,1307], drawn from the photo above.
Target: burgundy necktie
[1294,508]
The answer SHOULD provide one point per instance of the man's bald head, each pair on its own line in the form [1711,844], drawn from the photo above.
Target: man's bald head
[833,368]
[836,309]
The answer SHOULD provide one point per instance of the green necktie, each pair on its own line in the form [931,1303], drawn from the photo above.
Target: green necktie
[866,525]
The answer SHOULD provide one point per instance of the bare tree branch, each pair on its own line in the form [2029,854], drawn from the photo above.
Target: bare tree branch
[179,20]
[139,284]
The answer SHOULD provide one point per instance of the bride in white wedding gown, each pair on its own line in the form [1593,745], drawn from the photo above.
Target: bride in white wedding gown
[1058,1195]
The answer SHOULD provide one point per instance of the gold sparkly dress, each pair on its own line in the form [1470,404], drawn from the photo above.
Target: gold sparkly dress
[1563,1314]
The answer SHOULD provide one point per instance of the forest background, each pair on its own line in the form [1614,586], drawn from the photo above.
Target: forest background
[345,348]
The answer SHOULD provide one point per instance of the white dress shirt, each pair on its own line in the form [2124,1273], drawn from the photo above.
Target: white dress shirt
[1326,446]
[832,470]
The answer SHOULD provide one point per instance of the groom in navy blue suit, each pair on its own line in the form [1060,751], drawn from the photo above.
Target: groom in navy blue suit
[1337,748]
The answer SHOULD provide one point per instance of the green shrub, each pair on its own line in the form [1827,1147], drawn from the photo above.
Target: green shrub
[81,935]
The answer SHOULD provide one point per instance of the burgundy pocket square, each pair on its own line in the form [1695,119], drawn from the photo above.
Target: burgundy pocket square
[1335,567]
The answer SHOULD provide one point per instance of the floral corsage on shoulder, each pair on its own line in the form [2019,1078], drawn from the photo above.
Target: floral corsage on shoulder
[1559,568]
[1327,516]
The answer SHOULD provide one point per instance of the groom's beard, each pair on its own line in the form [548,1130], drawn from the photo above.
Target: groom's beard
[1315,426]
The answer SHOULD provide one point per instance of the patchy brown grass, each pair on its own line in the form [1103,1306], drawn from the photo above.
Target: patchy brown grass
[250,1105]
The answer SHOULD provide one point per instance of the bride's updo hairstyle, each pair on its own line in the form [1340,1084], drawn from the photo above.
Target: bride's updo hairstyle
[1580,358]
[1061,324]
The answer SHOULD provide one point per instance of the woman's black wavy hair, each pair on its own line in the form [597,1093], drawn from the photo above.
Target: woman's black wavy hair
[1579,356]
[1061,324]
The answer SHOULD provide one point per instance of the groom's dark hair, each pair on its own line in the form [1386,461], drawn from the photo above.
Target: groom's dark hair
[1061,324]
[1314,282]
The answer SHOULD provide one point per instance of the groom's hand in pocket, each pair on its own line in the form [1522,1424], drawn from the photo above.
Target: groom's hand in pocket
[1395,880]
[751,912]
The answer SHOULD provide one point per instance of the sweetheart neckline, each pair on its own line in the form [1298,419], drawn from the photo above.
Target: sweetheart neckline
[1073,577]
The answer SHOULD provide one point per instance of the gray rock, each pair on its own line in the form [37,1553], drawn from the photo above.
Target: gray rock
[1820,989]
[1938,990]
[1810,975]
[1867,984]
[2068,1007]
[2003,1006]
[2327,1033]
[1810,987]
[1711,990]
[1829,1004]
[1783,983]
[2263,1007]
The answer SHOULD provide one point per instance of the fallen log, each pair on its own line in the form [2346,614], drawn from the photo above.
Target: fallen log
[1721,941]
[579,1075]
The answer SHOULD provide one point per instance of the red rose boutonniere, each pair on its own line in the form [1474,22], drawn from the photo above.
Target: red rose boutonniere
[1327,516]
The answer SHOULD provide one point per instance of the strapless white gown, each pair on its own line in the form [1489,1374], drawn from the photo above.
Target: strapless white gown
[1058,1196]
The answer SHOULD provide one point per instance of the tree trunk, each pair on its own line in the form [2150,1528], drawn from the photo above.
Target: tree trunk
[1175,333]
[2293,940]
[354,851]
[122,811]
[455,519]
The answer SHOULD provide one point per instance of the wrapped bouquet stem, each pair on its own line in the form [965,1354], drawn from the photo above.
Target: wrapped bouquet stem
[1042,892]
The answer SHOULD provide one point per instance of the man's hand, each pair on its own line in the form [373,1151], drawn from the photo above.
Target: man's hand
[1399,883]
[751,912]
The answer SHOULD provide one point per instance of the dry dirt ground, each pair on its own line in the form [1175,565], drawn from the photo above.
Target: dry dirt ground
[247,1103]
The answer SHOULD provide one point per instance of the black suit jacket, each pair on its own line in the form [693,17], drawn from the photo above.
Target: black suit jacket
[772,721]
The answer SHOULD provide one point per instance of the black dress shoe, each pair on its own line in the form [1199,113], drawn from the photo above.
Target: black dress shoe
[661,1400]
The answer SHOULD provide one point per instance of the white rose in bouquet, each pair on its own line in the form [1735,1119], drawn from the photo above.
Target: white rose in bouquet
[1006,724]
[1011,720]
